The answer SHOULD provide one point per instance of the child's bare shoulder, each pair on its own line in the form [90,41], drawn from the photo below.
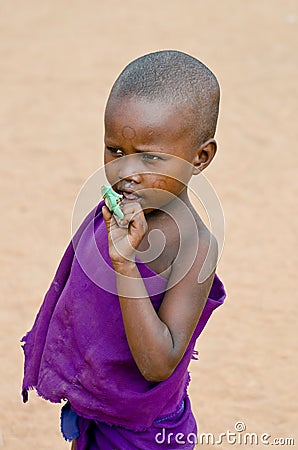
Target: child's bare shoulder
[182,241]
[198,246]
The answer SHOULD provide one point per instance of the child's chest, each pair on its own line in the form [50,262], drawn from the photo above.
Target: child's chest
[160,245]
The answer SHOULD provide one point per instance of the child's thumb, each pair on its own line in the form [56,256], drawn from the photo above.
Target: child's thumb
[107,216]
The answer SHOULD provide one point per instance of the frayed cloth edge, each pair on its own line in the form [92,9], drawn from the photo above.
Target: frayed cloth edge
[26,390]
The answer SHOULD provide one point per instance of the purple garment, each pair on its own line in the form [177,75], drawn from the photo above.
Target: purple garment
[178,431]
[77,349]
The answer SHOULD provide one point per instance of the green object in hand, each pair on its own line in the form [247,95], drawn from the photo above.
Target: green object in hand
[112,200]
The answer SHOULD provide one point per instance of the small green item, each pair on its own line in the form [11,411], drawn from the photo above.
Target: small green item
[112,200]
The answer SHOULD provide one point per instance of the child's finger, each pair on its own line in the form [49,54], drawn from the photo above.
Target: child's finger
[134,216]
[130,212]
[107,216]
[131,208]
[110,219]
[138,222]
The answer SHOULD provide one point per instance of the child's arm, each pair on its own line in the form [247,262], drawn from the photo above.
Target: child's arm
[157,341]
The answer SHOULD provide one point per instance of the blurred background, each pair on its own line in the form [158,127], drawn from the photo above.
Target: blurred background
[58,60]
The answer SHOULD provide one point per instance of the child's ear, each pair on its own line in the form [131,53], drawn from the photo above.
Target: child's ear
[204,155]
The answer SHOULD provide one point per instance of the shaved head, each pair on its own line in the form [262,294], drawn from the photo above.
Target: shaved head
[174,78]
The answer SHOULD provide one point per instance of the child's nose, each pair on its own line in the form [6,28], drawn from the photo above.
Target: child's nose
[129,169]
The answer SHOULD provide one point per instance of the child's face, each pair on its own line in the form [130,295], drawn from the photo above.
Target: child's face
[149,151]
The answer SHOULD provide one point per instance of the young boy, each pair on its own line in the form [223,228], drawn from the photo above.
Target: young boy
[118,326]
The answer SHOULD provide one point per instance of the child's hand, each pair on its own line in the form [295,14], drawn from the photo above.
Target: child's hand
[123,242]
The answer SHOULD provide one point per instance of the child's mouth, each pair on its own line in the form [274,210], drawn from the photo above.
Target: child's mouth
[132,196]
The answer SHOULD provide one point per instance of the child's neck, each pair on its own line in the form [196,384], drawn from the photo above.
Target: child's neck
[178,208]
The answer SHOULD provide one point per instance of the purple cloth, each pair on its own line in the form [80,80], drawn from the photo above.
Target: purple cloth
[77,349]
[178,431]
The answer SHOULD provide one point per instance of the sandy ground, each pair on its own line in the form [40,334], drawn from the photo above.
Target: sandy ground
[58,61]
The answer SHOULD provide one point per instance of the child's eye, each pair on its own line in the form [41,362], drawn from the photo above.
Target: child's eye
[150,157]
[115,151]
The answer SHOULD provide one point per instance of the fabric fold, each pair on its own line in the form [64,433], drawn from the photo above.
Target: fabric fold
[77,349]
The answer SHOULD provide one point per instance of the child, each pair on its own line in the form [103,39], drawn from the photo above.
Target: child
[118,326]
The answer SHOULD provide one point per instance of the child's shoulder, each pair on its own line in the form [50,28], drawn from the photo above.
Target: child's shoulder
[184,229]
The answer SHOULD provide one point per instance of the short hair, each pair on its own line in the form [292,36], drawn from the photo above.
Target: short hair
[173,77]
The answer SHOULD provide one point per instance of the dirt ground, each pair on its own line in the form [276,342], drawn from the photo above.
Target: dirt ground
[58,60]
